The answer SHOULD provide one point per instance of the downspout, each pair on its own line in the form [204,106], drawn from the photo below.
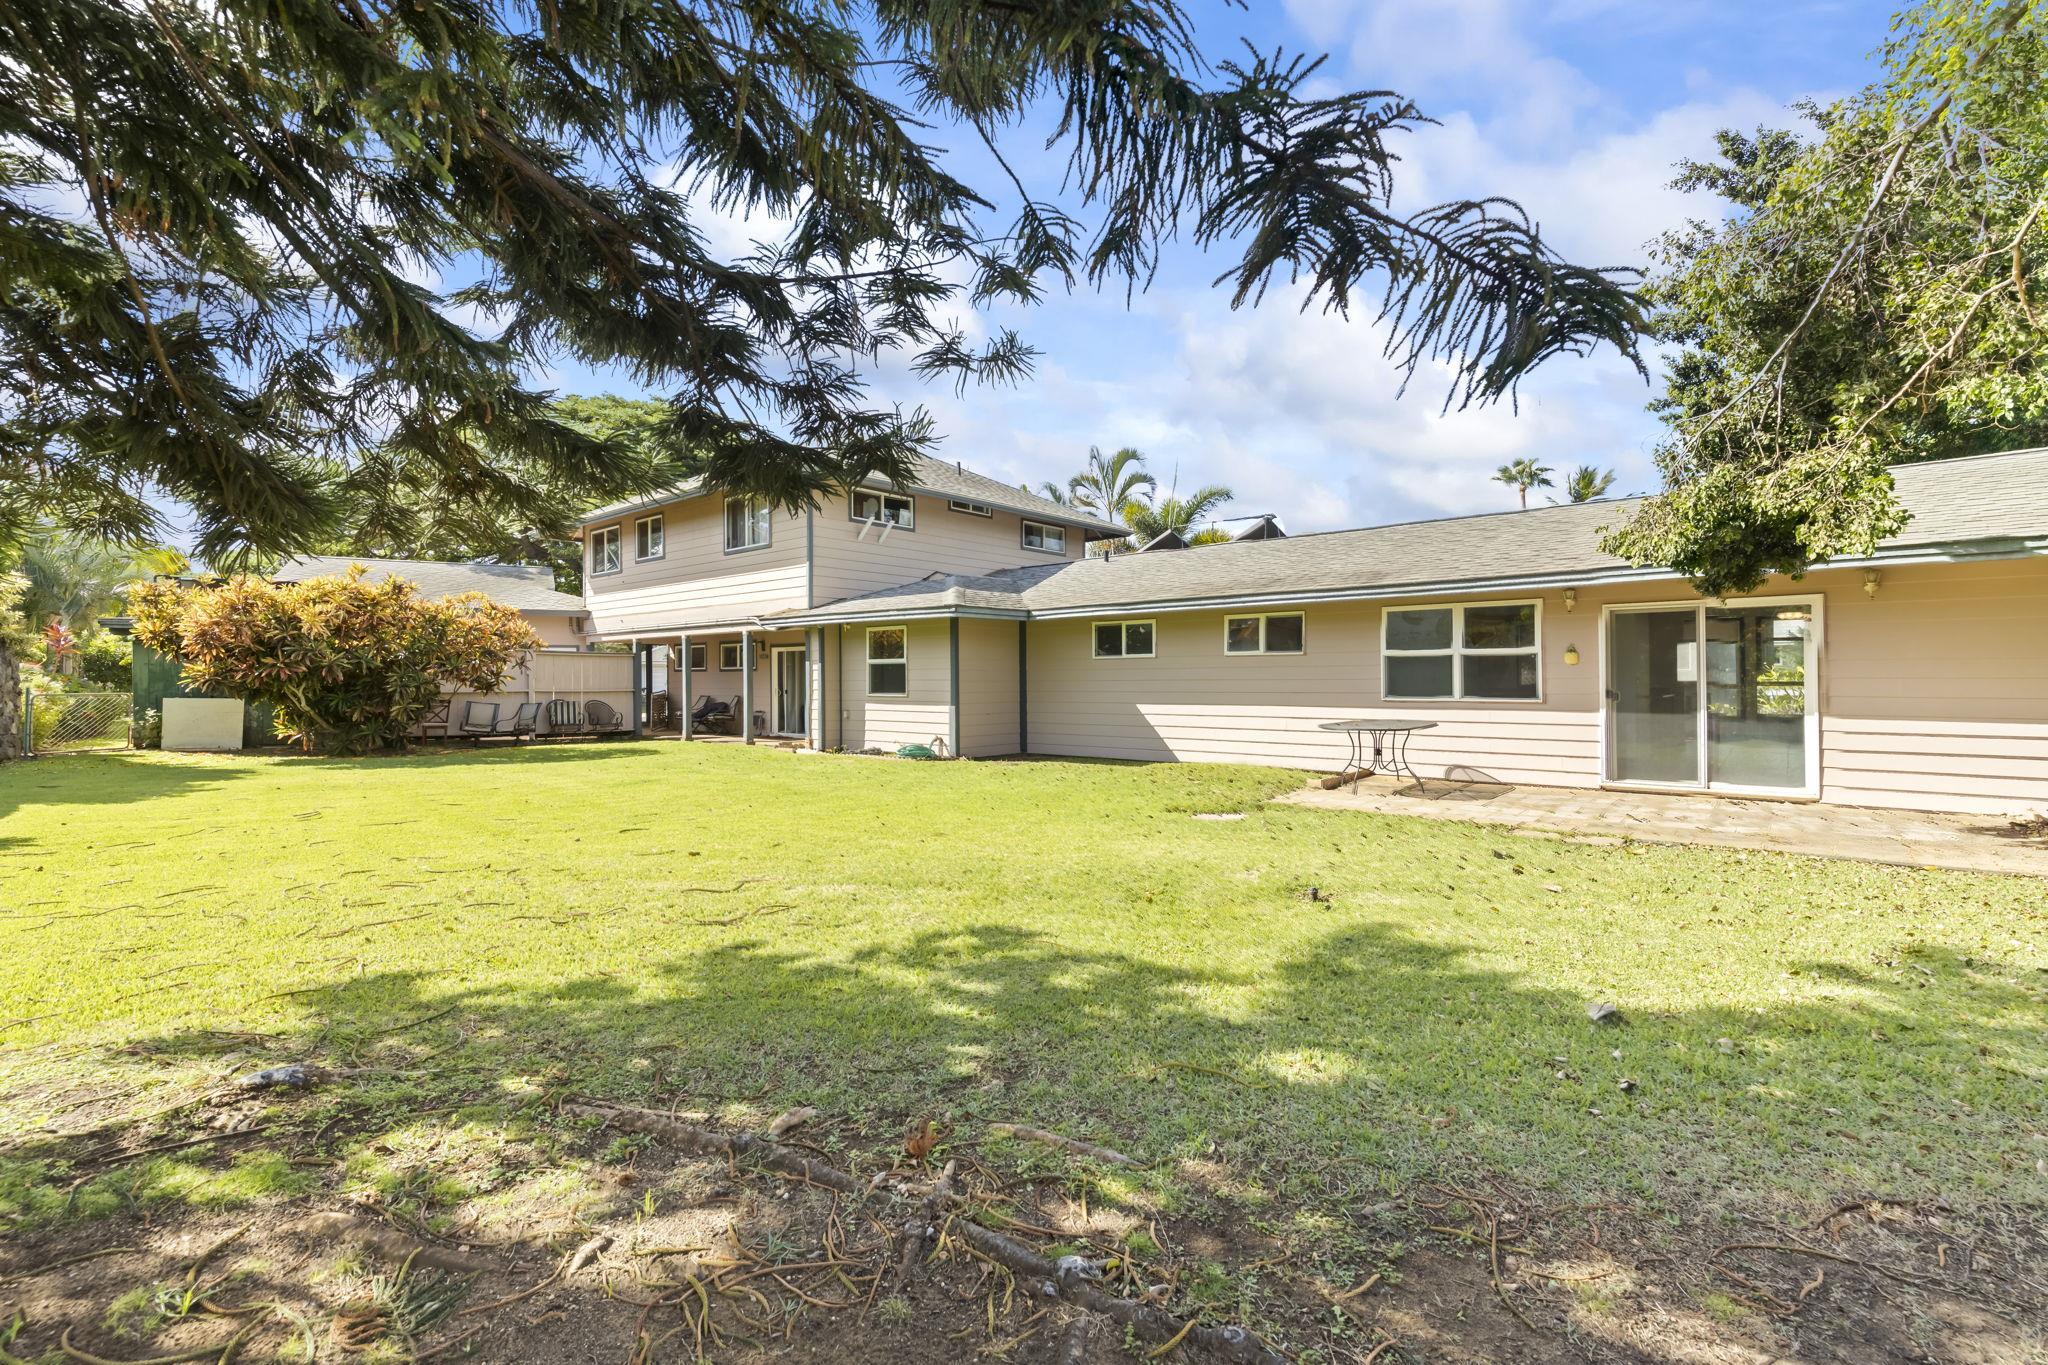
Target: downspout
[953,700]
[689,697]
[1023,690]
[639,689]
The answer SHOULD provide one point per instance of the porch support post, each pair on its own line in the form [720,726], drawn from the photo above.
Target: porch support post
[814,686]
[953,687]
[1023,690]
[639,689]
[689,702]
[747,685]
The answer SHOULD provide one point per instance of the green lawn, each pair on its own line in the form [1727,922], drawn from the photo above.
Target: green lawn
[1061,944]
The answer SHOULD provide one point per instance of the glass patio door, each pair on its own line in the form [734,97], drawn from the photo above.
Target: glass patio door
[1713,696]
[1653,697]
[792,690]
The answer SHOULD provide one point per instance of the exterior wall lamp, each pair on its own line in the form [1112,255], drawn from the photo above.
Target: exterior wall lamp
[1871,578]
[1571,655]
[1571,599]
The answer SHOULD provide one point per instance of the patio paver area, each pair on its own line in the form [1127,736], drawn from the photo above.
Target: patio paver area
[1976,843]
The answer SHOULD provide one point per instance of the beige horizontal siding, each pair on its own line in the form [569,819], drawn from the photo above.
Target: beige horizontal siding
[1193,702]
[988,688]
[944,541]
[696,580]
[1933,693]
[920,717]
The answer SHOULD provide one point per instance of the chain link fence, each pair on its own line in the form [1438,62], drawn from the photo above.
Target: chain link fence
[63,722]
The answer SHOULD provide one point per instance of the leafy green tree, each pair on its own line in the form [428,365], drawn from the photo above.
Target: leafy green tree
[1523,475]
[1588,482]
[1875,298]
[507,510]
[1150,519]
[1110,483]
[247,313]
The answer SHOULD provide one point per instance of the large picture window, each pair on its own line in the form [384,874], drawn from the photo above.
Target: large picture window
[894,508]
[1279,633]
[746,523]
[1488,651]
[604,550]
[1123,639]
[888,661]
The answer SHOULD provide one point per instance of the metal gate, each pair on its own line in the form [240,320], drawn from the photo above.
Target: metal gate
[65,722]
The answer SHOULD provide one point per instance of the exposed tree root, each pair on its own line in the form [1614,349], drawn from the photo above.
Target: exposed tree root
[1045,1278]
[1107,1155]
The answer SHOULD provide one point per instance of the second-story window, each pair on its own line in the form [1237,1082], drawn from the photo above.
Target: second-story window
[894,508]
[1043,535]
[746,523]
[604,550]
[647,537]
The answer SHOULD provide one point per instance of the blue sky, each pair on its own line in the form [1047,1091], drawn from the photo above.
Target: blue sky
[1577,109]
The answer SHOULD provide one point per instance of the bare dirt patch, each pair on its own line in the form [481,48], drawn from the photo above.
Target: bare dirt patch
[656,1254]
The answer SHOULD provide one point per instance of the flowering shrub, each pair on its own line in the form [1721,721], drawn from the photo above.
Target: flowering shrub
[347,665]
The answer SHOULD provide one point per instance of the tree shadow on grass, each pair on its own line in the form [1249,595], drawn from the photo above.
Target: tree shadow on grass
[1369,1061]
[97,779]
[1370,1047]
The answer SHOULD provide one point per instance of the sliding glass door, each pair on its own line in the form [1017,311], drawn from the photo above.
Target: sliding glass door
[1714,695]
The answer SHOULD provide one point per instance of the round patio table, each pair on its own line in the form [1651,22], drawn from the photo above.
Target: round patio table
[1389,737]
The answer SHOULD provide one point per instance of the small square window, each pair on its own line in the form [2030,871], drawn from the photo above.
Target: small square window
[604,550]
[1042,535]
[746,523]
[696,658]
[729,656]
[647,538]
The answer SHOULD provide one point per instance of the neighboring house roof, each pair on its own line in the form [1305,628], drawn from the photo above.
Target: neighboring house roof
[1976,506]
[1264,527]
[1165,540]
[939,478]
[527,587]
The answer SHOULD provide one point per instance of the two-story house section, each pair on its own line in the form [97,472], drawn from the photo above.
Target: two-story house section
[691,577]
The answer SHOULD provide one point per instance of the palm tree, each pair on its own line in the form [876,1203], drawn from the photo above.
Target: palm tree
[1110,483]
[1149,520]
[1587,483]
[1523,475]
[73,579]
[1050,491]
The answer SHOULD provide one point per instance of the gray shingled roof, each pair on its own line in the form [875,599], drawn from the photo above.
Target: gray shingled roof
[528,587]
[940,478]
[1985,499]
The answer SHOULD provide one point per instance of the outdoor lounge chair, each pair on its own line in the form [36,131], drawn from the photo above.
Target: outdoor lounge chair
[522,723]
[601,719]
[710,715]
[479,718]
[563,717]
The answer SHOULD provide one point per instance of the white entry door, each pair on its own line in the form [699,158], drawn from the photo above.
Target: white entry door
[792,690]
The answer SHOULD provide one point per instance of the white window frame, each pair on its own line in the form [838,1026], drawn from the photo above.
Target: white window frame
[1043,527]
[1262,617]
[699,660]
[868,657]
[970,509]
[735,656]
[605,538]
[903,502]
[1458,651]
[759,516]
[641,537]
[1124,637]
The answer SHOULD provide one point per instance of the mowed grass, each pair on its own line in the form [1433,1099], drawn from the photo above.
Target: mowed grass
[1056,943]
